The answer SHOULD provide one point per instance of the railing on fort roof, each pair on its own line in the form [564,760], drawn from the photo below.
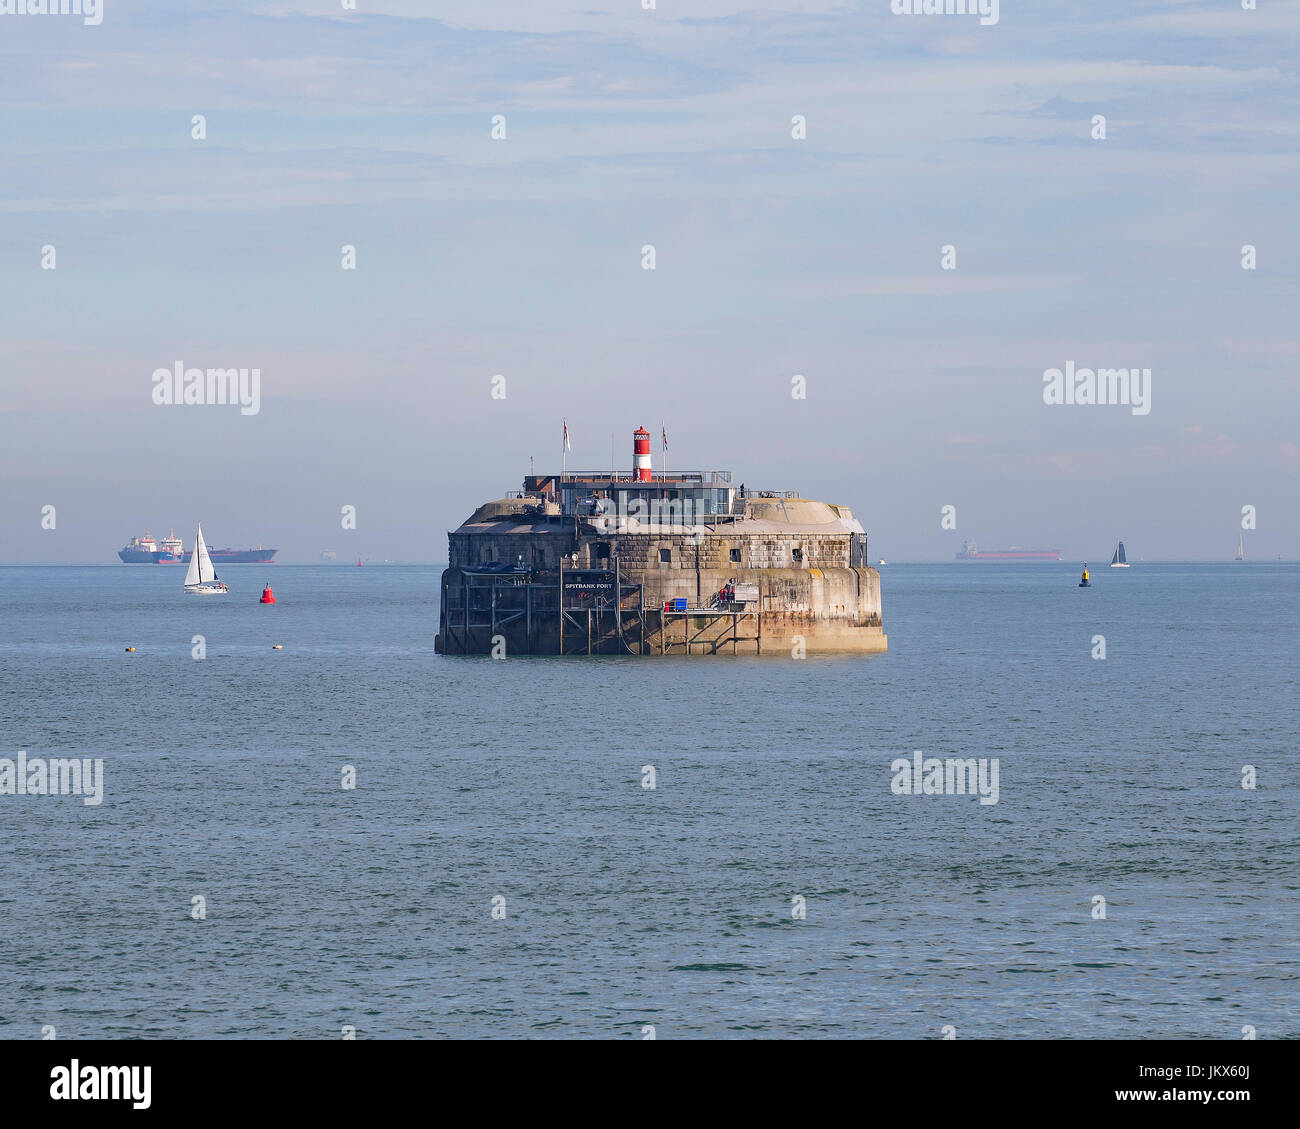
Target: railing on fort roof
[706,478]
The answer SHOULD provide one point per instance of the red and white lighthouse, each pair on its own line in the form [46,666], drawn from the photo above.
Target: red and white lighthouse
[641,455]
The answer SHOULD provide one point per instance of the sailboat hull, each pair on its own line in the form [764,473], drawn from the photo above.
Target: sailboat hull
[206,589]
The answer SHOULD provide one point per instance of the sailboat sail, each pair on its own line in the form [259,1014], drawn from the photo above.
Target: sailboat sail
[1241,549]
[1120,553]
[192,573]
[206,571]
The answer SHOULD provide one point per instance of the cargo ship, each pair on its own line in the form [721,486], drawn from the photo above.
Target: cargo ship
[972,552]
[170,550]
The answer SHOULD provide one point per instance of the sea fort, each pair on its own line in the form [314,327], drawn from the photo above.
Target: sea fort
[688,563]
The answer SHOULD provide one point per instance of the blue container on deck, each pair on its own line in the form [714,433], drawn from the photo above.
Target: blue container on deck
[679,604]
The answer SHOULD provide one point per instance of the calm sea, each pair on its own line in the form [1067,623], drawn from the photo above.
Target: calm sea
[673,907]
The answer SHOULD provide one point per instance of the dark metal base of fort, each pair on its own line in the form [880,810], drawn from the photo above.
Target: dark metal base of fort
[522,615]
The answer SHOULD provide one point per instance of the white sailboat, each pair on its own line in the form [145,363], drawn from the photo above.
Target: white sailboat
[1241,549]
[1119,560]
[201,577]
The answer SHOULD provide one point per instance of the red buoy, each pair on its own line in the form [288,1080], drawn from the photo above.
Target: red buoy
[268,597]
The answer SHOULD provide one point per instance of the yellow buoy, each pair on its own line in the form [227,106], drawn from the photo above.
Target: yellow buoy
[277,647]
[130,648]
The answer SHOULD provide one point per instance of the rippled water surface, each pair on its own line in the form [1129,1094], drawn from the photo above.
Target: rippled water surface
[671,907]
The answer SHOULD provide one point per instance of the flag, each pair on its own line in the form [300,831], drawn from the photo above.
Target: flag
[665,435]
[567,445]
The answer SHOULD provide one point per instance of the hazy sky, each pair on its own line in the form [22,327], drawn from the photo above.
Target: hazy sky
[774,257]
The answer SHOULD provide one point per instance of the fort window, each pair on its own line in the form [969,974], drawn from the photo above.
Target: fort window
[735,556]
[665,556]
[797,554]
[602,552]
